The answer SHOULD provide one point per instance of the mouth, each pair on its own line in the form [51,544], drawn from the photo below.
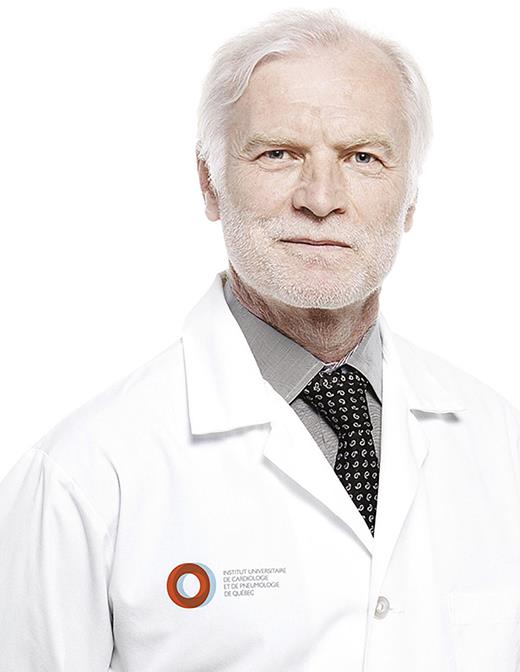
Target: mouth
[310,241]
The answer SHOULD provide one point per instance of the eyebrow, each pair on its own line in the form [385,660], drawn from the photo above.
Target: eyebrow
[261,139]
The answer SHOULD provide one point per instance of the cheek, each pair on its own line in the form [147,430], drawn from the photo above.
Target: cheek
[379,202]
[260,191]
[264,197]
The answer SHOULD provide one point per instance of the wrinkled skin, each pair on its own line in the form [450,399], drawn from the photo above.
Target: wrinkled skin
[303,185]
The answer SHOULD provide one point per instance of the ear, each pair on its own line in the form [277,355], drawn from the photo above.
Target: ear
[210,197]
[409,215]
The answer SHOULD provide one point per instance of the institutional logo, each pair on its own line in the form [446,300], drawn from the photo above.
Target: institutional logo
[175,585]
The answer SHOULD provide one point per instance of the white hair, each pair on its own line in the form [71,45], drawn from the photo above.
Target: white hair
[291,32]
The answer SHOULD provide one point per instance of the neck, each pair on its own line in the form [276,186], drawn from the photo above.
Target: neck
[328,334]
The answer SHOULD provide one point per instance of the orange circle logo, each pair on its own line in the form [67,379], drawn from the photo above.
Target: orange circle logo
[175,588]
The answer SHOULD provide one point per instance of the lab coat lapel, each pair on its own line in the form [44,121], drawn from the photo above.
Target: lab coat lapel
[292,449]
[226,391]
[402,458]
[408,385]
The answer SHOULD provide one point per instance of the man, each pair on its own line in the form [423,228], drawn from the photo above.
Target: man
[290,485]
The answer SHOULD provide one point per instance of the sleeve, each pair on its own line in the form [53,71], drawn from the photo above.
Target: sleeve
[55,614]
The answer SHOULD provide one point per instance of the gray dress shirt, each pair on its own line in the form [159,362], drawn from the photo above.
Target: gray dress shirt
[288,367]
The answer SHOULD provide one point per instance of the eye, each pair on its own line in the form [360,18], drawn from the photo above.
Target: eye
[275,151]
[364,156]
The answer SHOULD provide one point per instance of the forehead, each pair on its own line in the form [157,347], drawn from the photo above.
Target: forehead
[353,89]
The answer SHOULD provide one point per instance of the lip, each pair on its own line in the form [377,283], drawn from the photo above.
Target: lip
[310,241]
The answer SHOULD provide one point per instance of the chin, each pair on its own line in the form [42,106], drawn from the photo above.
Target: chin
[324,295]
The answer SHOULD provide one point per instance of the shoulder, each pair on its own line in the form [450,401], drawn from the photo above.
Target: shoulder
[131,400]
[475,393]
[109,437]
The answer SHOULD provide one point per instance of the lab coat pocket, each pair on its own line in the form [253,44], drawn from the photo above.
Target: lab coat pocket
[486,630]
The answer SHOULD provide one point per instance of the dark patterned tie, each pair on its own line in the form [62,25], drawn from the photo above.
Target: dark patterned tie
[340,397]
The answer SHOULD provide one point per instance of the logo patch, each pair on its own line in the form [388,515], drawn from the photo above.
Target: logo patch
[175,585]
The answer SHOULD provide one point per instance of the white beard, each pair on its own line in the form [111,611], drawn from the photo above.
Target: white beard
[306,278]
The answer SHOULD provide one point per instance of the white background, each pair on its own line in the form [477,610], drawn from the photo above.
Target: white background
[104,242]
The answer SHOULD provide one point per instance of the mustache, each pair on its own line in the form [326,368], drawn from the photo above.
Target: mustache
[290,227]
[282,227]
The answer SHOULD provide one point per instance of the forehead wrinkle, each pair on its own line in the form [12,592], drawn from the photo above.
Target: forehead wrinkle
[340,128]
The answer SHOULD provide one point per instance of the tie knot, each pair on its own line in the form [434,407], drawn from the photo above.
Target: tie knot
[339,395]
[344,377]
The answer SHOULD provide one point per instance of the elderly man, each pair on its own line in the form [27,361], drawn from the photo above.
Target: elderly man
[289,486]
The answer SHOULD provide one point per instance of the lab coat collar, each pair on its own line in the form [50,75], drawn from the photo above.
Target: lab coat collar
[423,389]
[226,390]
[224,385]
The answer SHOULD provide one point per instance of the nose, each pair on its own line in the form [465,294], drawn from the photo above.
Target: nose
[322,190]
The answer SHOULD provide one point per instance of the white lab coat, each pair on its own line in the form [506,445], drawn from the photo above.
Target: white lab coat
[194,458]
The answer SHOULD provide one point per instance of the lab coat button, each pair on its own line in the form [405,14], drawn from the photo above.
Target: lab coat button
[382,607]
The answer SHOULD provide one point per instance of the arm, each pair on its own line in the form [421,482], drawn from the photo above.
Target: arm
[54,567]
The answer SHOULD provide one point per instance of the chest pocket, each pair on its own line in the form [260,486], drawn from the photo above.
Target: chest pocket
[486,630]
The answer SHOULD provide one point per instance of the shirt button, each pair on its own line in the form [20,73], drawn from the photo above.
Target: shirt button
[382,607]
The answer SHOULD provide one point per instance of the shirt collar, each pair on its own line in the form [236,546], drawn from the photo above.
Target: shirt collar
[287,366]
